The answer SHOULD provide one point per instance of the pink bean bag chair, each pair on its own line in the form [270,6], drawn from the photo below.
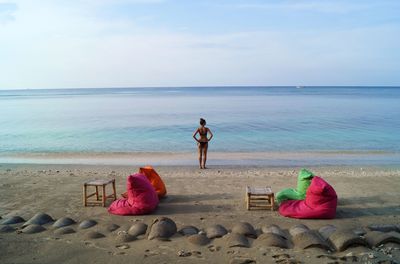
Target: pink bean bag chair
[142,198]
[320,202]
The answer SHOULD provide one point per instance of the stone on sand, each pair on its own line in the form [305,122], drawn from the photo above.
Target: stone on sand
[6,229]
[93,235]
[343,239]
[310,239]
[124,237]
[376,238]
[274,229]
[237,240]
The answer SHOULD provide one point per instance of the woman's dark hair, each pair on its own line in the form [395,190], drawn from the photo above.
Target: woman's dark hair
[202,121]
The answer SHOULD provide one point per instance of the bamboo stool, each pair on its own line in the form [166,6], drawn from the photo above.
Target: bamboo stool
[100,198]
[260,198]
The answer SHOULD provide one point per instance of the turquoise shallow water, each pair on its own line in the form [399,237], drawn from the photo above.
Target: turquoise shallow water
[243,119]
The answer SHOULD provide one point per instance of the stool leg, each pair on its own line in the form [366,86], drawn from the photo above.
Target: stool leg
[84,195]
[272,202]
[97,193]
[104,195]
[115,193]
[248,201]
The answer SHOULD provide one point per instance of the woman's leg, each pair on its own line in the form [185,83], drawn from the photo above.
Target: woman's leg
[205,148]
[200,155]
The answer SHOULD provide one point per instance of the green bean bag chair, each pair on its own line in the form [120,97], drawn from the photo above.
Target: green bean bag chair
[303,182]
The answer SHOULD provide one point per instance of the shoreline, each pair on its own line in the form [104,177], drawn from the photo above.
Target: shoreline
[282,159]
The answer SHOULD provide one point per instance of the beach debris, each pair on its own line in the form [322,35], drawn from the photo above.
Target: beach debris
[384,228]
[327,230]
[244,228]
[162,228]
[87,224]
[272,240]
[184,253]
[310,239]
[376,238]
[215,231]
[32,229]
[12,220]
[64,221]
[39,219]
[242,260]
[124,237]
[199,240]
[297,229]
[123,246]
[188,230]
[274,229]
[213,248]
[343,239]
[6,229]
[237,240]
[64,230]
[137,229]
[93,235]
[112,227]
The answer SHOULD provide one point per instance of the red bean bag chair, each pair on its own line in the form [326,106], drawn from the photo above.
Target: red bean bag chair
[155,180]
[142,198]
[320,202]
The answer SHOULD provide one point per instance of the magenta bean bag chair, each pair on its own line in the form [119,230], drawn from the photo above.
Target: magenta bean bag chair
[142,198]
[320,202]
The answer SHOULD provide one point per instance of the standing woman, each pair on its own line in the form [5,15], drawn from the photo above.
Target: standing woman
[202,142]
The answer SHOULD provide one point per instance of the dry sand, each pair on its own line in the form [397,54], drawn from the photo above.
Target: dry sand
[195,197]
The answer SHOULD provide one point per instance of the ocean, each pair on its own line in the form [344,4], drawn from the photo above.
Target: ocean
[243,119]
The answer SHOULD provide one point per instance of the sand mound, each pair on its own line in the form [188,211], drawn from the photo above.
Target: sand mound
[112,227]
[274,229]
[6,229]
[64,221]
[162,228]
[376,238]
[237,240]
[297,229]
[124,237]
[39,219]
[64,230]
[137,229]
[310,239]
[327,230]
[93,235]
[244,228]
[343,239]
[272,240]
[216,231]
[199,239]
[12,220]
[188,230]
[32,229]
[87,224]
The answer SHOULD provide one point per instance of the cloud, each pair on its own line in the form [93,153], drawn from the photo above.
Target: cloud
[7,12]
[341,7]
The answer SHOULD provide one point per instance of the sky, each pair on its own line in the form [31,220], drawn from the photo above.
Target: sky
[140,43]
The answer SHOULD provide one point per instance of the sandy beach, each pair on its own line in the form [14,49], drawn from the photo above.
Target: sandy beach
[201,198]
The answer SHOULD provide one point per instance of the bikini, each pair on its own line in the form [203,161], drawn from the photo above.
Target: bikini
[203,144]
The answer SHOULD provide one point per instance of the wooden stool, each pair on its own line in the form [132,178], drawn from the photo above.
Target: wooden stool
[260,198]
[103,196]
